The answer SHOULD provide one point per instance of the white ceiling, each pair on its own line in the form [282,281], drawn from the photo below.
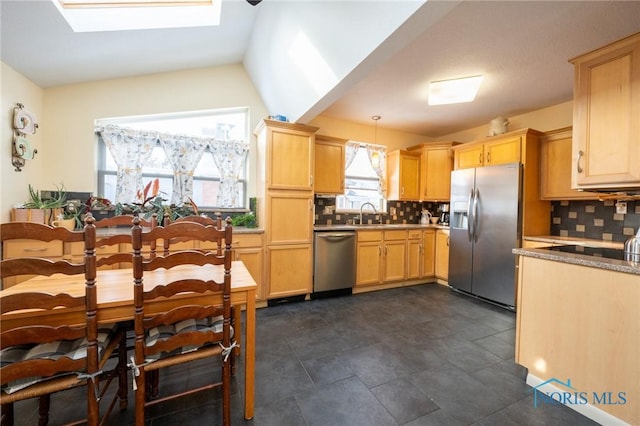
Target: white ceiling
[521,47]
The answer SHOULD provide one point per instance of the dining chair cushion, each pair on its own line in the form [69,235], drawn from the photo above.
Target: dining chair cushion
[72,349]
[163,332]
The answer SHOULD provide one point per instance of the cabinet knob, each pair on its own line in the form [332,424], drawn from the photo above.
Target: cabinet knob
[488,157]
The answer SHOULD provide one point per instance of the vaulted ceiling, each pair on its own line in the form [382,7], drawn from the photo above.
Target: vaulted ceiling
[381,54]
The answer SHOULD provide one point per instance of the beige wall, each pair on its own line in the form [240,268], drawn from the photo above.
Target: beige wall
[392,139]
[69,114]
[545,119]
[15,88]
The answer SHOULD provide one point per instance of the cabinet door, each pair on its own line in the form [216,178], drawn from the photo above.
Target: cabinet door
[368,262]
[436,181]
[466,157]
[606,131]
[290,270]
[502,151]
[410,178]
[289,217]
[403,175]
[555,168]
[252,259]
[428,252]
[395,258]
[290,162]
[414,259]
[442,255]
[329,168]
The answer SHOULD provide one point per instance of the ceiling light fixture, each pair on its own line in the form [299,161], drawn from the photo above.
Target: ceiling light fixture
[118,15]
[375,156]
[454,91]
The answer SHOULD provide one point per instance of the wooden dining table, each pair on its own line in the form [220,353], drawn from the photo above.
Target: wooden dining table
[115,303]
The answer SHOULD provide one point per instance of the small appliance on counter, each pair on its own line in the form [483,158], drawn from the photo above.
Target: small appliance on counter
[632,248]
[426,217]
[444,214]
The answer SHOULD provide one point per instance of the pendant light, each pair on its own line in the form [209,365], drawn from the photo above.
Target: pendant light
[375,157]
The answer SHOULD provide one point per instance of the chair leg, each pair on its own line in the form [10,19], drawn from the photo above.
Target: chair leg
[140,397]
[43,409]
[93,410]
[153,384]
[226,392]
[123,390]
[7,414]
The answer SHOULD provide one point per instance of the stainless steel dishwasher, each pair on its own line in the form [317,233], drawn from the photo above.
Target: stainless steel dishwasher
[334,263]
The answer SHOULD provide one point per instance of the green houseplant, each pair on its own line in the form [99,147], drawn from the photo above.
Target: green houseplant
[37,209]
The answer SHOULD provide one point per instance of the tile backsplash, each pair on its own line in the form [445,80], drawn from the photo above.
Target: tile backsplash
[406,212]
[594,219]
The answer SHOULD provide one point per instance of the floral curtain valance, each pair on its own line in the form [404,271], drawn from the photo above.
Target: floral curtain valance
[229,156]
[132,148]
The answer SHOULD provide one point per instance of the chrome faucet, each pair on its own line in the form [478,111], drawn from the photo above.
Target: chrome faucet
[362,206]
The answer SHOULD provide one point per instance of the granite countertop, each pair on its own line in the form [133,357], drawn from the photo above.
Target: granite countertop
[376,227]
[118,230]
[580,259]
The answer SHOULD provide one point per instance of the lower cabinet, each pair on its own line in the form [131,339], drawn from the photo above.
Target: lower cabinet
[421,253]
[290,270]
[442,254]
[381,257]
[28,248]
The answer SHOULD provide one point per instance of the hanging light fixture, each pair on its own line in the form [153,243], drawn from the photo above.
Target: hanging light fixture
[375,157]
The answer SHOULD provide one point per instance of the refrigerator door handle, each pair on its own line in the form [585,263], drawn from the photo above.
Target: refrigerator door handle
[475,215]
[469,216]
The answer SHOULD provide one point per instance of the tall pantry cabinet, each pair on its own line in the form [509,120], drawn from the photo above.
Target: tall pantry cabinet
[285,205]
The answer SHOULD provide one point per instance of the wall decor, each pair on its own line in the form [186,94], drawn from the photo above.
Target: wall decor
[24,123]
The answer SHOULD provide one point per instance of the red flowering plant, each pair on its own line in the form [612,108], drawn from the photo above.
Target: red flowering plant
[150,201]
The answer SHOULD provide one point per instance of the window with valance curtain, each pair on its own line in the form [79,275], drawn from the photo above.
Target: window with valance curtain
[133,156]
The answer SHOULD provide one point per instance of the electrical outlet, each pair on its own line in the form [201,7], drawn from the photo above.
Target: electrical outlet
[621,207]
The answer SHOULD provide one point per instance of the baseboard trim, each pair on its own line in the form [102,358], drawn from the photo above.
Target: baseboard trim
[588,410]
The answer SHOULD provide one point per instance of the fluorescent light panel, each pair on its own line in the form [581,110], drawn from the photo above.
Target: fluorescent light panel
[454,91]
[117,15]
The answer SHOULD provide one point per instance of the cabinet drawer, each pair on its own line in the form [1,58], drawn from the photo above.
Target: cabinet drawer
[369,236]
[414,234]
[395,235]
[239,241]
[31,248]
[77,249]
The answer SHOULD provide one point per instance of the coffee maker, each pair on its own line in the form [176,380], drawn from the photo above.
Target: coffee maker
[444,214]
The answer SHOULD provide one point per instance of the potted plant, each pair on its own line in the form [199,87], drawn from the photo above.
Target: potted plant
[38,209]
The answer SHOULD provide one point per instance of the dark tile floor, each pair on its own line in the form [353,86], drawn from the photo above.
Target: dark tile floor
[420,355]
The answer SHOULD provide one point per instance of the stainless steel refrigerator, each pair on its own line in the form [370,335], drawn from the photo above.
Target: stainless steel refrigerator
[485,225]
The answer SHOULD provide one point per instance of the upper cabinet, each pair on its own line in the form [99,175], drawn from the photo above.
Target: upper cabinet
[288,149]
[606,117]
[436,163]
[555,167]
[329,165]
[501,149]
[403,175]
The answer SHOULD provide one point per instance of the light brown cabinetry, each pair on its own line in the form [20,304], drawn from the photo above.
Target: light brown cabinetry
[492,152]
[606,107]
[555,167]
[442,255]
[436,163]
[421,254]
[329,165]
[381,257]
[285,205]
[521,146]
[403,175]
[29,248]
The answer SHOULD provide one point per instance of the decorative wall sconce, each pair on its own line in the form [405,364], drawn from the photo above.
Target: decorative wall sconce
[24,123]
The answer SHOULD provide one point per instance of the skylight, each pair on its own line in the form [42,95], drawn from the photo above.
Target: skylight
[454,91]
[116,15]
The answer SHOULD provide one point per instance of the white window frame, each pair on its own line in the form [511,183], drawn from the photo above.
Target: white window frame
[342,200]
[133,121]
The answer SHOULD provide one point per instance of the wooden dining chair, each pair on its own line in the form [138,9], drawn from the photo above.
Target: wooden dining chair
[43,356]
[194,320]
[116,230]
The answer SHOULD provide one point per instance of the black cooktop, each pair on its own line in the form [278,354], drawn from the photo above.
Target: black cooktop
[608,253]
